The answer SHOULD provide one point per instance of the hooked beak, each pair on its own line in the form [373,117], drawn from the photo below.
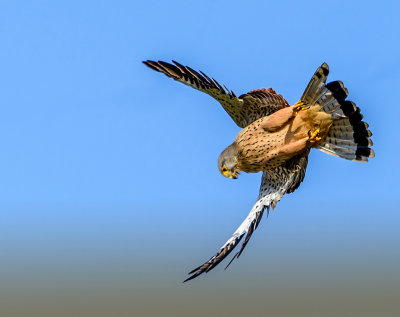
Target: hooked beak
[229,174]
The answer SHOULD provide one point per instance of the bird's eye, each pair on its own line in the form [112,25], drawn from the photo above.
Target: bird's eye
[224,169]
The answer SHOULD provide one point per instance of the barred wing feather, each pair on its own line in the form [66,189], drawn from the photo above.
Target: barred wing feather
[275,183]
[243,110]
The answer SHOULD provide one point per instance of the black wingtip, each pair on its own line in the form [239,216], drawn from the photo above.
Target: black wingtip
[188,279]
[196,269]
[151,64]
[192,276]
[234,257]
[177,64]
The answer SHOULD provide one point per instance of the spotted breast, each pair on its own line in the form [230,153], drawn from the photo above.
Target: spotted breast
[270,141]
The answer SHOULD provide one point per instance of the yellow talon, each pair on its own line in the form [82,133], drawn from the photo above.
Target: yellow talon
[300,105]
[314,135]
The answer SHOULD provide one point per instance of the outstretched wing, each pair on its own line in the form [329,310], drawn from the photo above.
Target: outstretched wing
[243,109]
[275,183]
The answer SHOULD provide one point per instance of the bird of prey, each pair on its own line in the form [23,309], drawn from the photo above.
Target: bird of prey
[276,139]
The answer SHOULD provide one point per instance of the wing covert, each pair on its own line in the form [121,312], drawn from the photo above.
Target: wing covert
[259,103]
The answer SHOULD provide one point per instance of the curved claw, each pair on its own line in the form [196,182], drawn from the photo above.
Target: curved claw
[300,105]
[315,135]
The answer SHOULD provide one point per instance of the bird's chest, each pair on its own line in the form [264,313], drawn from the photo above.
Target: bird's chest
[260,150]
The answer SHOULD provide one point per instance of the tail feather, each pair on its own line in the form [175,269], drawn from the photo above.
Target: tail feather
[357,149]
[349,136]
[360,128]
[349,139]
[316,85]
[350,157]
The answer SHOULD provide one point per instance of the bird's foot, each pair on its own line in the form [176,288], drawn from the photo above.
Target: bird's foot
[300,105]
[314,135]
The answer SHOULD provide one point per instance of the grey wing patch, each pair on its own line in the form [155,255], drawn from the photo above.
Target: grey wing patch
[274,184]
[298,166]
[283,179]
[243,110]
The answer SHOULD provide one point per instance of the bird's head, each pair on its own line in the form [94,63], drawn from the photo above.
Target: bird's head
[228,162]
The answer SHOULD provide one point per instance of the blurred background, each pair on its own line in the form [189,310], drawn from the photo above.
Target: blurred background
[109,187]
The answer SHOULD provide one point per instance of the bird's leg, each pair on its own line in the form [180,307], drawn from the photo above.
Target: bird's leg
[314,134]
[300,105]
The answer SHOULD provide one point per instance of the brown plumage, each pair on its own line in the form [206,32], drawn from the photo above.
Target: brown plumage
[270,141]
[276,138]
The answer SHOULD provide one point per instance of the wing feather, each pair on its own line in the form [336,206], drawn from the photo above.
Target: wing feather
[274,184]
[243,110]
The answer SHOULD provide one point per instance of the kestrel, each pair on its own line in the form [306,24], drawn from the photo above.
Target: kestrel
[276,139]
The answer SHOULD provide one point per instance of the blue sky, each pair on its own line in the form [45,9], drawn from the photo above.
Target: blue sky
[86,121]
[99,151]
